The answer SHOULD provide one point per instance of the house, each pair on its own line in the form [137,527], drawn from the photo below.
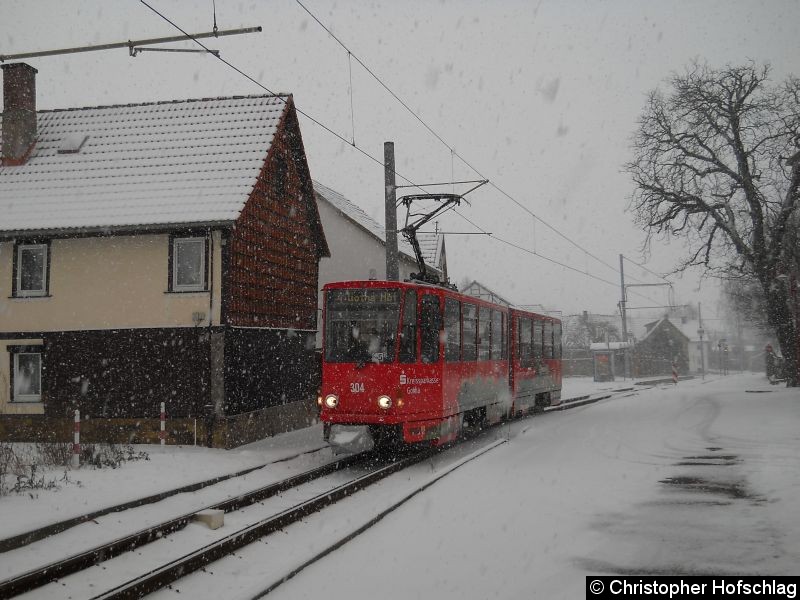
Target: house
[699,353]
[478,290]
[662,345]
[358,244]
[156,252]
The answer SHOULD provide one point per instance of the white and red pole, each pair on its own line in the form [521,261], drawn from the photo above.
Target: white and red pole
[76,441]
[163,433]
[675,373]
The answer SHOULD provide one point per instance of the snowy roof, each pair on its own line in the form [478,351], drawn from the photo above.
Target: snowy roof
[655,325]
[689,328]
[609,345]
[140,165]
[357,215]
[477,290]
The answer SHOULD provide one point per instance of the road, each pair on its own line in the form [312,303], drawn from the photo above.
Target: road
[699,478]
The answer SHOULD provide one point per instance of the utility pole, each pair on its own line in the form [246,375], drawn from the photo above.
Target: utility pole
[700,332]
[392,268]
[625,353]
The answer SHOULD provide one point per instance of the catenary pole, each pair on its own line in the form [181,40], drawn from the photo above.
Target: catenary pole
[392,268]
[625,353]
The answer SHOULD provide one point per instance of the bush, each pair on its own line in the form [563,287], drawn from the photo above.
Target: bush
[26,465]
[30,480]
[7,458]
[109,455]
[55,454]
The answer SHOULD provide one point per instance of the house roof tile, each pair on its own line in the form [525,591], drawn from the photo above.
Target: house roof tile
[156,164]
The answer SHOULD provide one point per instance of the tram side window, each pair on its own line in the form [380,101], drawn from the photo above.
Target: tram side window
[498,337]
[469,316]
[557,340]
[408,332]
[452,330]
[537,340]
[525,351]
[548,339]
[504,336]
[431,324]
[484,333]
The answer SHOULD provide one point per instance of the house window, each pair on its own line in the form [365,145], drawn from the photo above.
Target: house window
[31,270]
[26,369]
[188,264]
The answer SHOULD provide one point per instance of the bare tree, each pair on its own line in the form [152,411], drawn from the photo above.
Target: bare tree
[580,331]
[715,163]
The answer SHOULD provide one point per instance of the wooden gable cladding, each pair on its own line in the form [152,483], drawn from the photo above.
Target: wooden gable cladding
[276,244]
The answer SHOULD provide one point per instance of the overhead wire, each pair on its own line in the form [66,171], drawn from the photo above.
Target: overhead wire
[641,266]
[451,148]
[367,154]
[269,91]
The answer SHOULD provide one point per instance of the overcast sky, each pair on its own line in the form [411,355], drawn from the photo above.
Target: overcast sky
[540,97]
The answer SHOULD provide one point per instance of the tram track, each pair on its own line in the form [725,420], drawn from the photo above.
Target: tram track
[319,555]
[28,537]
[163,575]
[23,539]
[42,575]
[168,573]
[373,521]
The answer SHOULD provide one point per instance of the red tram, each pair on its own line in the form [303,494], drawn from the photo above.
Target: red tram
[417,362]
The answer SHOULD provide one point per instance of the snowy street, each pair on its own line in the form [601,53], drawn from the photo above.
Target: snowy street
[698,479]
[701,478]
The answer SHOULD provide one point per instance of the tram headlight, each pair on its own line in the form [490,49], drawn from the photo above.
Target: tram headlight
[384,402]
[331,400]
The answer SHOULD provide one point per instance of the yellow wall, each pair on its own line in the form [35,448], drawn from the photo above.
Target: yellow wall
[105,283]
[101,283]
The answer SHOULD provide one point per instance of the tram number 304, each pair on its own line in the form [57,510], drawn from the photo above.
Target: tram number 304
[357,388]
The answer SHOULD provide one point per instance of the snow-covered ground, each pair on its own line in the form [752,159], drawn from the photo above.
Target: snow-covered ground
[702,477]
[169,467]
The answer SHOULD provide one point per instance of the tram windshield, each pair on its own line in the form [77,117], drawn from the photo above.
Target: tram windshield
[361,325]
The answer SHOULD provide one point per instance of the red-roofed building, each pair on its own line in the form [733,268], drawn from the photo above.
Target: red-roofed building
[161,252]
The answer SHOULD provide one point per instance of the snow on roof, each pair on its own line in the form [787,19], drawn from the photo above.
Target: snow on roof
[477,290]
[609,345]
[690,327]
[357,215]
[177,162]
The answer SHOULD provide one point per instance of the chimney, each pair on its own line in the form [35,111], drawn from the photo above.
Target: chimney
[19,112]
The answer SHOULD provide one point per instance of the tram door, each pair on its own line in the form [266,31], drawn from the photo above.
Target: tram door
[430,327]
